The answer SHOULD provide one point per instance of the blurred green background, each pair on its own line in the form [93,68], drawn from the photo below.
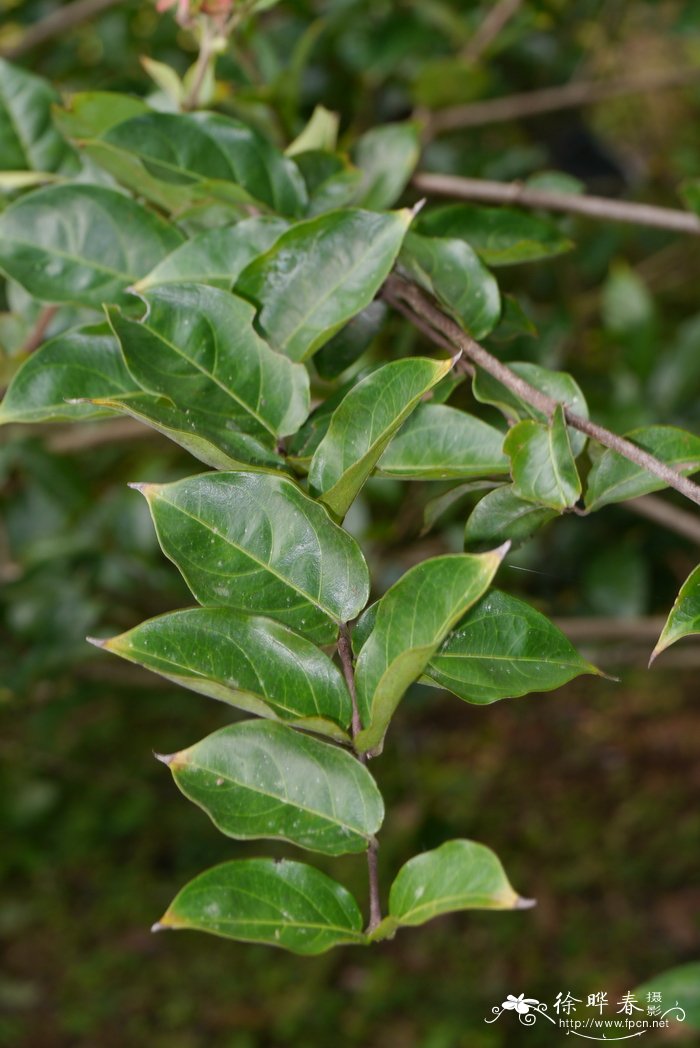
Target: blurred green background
[589,794]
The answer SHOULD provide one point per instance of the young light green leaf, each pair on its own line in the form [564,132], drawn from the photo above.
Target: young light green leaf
[88,114]
[263,779]
[543,467]
[197,345]
[504,648]
[387,157]
[684,618]
[558,385]
[280,903]
[412,620]
[502,516]
[250,662]
[453,273]
[207,435]
[211,149]
[320,274]
[321,133]
[364,423]
[216,256]
[28,139]
[616,479]
[79,365]
[439,443]
[256,542]
[459,875]
[81,243]
[350,342]
[165,77]
[501,236]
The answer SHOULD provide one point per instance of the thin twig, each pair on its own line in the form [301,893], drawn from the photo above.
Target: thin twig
[73,439]
[489,192]
[550,99]
[346,660]
[60,21]
[36,335]
[497,18]
[446,327]
[666,514]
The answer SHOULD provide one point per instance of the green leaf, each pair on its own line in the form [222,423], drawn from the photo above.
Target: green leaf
[440,442]
[216,256]
[89,114]
[320,274]
[81,243]
[441,504]
[684,619]
[331,181]
[247,661]
[215,151]
[501,236]
[558,385]
[412,620]
[543,467]
[502,516]
[614,478]
[387,157]
[209,437]
[681,986]
[256,542]
[262,779]
[280,903]
[350,342]
[83,363]
[504,648]
[459,875]
[320,133]
[197,345]
[364,423]
[28,139]
[455,276]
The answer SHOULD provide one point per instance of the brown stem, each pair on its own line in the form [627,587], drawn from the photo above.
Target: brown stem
[666,514]
[422,307]
[550,99]
[497,18]
[346,661]
[36,335]
[204,59]
[593,207]
[60,21]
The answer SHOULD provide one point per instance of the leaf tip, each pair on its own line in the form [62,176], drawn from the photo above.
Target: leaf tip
[418,207]
[98,642]
[158,926]
[501,551]
[524,904]
[142,486]
[165,758]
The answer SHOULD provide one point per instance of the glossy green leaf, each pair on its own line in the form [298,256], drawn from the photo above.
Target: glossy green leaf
[262,779]
[210,437]
[256,542]
[504,648]
[500,235]
[84,363]
[684,619]
[81,243]
[350,342]
[412,620]
[502,516]
[216,256]
[320,133]
[320,274]
[331,181]
[542,464]
[558,385]
[386,157]
[439,443]
[28,139]
[453,273]
[615,479]
[197,345]
[250,662]
[364,423]
[211,149]
[88,114]
[459,875]
[441,504]
[280,903]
